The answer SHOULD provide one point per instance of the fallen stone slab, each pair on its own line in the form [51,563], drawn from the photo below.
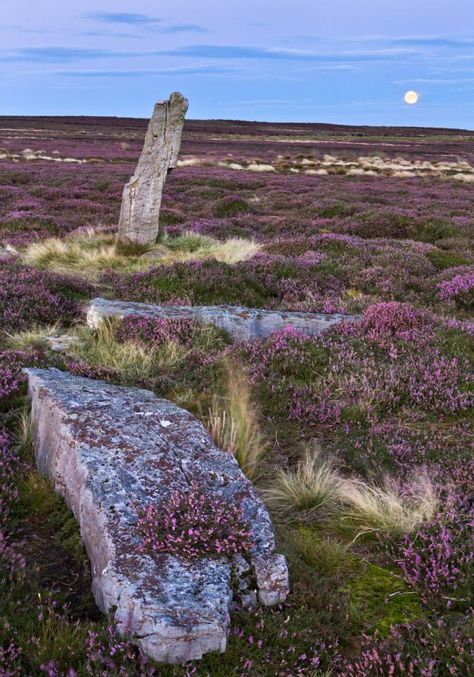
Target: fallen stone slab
[109,449]
[243,324]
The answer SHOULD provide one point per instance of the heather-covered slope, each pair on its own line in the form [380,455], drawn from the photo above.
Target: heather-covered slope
[359,439]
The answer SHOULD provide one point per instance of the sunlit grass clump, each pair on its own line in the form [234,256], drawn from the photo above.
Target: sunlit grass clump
[93,252]
[309,491]
[233,424]
[132,360]
[388,508]
[314,492]
[32,337]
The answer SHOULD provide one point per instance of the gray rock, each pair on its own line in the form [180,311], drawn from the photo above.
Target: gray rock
[141,198]
[243,324]
[108,449]
[8,251]
[59,344]
[155,254]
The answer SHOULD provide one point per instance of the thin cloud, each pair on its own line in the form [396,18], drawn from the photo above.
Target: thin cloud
[435,81]
[191,70]
[185,28]
[456,41]
[61,54]
[211,52]
[128,18]
[249,52]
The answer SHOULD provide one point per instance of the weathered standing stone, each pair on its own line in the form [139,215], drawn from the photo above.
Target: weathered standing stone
[141,198]
[243,324]
[108,449]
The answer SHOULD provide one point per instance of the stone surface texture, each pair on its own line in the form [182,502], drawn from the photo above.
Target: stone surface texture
[109,449]
[141,198]
[243,324]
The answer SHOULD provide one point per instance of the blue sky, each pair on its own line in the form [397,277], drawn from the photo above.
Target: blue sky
[342,61]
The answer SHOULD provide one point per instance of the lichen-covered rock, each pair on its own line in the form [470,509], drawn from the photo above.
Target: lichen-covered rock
[243,324]
[141,198]
[110,449]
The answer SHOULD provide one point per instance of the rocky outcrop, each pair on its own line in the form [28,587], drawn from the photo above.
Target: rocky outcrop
[110,449]
[141,198]
[243,324]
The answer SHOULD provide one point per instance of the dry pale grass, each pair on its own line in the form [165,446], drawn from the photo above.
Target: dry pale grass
[387,508]
[34,336]
[93,252]
[233,424]
[308,492]
[314,491]
[24,432]
[135,362]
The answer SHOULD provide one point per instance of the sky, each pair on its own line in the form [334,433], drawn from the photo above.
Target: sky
[339,61]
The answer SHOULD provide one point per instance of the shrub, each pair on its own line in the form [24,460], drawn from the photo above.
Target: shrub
[428,648]
[31,296]
[11,376]
[445,259]
[438,560]
[197,282]
[230,206]
[459,289]
[341,210]
[433,231]
[192,524]
[97,372]
[154,331]
[393,320]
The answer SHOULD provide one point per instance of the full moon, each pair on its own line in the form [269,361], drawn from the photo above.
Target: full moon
[411,97]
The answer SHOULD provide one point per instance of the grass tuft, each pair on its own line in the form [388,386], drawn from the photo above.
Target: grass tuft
[387,508]
[33,337]
[315,491]
[233,424]
[93,253]
[307,492]
[134,361]
[326,555]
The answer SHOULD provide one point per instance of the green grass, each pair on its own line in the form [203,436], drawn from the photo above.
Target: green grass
[378,598]
[445,259]
[325,555]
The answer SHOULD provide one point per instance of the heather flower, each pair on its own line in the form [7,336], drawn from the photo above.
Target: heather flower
[10,661]
[157,331]
[191,524]
[393,320]
[98,372]
[30,296]
[10,559]
[438,559]
[460,289]
[423,648]
[11,376]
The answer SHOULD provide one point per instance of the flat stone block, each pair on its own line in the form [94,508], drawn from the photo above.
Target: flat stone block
[109,449]
[243,324]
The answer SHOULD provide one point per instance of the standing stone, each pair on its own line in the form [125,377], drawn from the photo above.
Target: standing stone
[141,198]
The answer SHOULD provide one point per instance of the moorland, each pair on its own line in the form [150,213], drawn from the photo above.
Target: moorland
[359,439]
